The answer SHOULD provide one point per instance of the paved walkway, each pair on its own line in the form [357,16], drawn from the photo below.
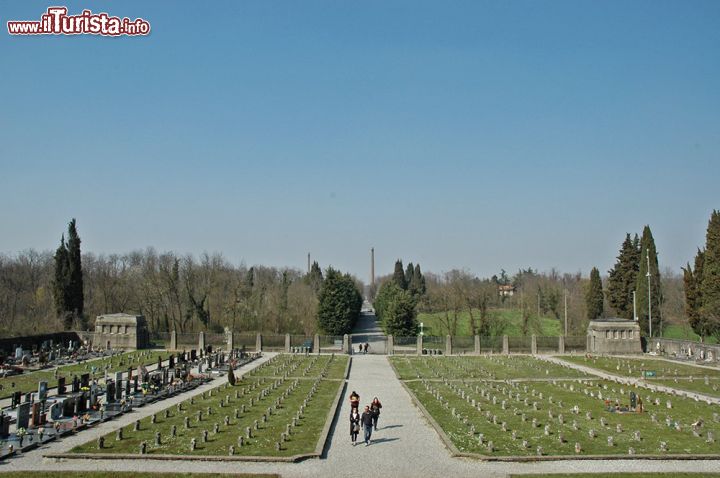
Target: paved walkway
[404,446]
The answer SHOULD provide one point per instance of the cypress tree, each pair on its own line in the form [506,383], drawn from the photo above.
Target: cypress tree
[417,283]
[409,271]
[594,295]
[60,281]
[399,275]
[710,285]
[339,303]
[314,278]
[647,249]
[622,278]
[76,299]
[692,279]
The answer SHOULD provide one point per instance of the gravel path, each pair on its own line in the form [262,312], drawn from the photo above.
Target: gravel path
[404,446]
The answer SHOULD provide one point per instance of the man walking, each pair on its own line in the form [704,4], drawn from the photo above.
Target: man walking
[367,422]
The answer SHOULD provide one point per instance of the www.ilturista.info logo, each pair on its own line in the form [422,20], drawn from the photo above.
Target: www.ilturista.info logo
[57,22]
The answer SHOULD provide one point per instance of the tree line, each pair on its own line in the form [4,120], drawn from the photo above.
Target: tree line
[44,292]
[397,298]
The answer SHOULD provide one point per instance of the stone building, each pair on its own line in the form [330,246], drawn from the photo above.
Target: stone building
[121,331]
[613,336]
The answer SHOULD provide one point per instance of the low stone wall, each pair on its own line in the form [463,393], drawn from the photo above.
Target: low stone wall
[30,342]
[685,349]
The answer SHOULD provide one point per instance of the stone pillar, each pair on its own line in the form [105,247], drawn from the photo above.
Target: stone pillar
[258,343]
[316,344]
[173,340]
[448,345]
[561,344]
[477,344]
[346,344]
[287,342]
[230,341]
[533,344]
[506,346]
[390,345]
[201,342]
[419,344]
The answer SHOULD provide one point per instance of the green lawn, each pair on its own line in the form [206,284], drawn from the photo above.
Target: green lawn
[290,378]
[28,381]
[621,475]
[677,375]
[676,331]
[433,324]
[514,405]
[496,367]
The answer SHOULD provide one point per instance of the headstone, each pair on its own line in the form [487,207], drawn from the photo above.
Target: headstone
[23,415]
[42,390]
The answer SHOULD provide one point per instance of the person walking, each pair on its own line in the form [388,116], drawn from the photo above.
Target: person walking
[367,423]
[366,347]
[375,407]
[354,401]
[354,425]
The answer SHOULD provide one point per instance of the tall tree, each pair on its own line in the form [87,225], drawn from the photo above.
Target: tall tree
[594,296]
[622,278]
[692,279]
[648,251]
[399,275]
[416,285]
[60,282]
[710,285]
[409,271]
[314,278]
[339,303]
[76,298]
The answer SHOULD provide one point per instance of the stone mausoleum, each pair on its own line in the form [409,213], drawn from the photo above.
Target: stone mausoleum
[613,336]
[121,331]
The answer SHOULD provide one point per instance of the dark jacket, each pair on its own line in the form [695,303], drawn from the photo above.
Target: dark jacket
[375,408]
[354,420]
[366,419]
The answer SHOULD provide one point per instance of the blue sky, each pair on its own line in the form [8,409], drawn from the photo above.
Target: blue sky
[478,135]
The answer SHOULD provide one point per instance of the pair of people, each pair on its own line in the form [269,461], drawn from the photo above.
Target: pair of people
[363,348]
[368,419]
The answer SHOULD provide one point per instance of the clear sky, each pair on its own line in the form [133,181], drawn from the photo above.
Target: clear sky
[479,135]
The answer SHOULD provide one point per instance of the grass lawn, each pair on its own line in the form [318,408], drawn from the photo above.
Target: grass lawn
[514,405]
[128,474]
[28,381]
[281,385]
[433,323]
[684,331]
[496,367]
[677,375]
[622,475]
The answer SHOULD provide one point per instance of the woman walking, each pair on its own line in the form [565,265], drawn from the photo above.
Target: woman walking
[375,407]
[354,401]
[354,425]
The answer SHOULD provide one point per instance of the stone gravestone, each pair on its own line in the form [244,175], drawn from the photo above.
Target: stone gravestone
[85,380]
[42,390]
[193,355]
[110,392]
[75,384]
[633,400]
[171,362]
[118,385]
[61,386]
[37,415]
[4,426]
[135,384]
[23,415]
[16,399]
[56,411]
[93,395]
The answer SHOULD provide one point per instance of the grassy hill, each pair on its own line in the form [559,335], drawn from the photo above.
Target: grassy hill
[433,324]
